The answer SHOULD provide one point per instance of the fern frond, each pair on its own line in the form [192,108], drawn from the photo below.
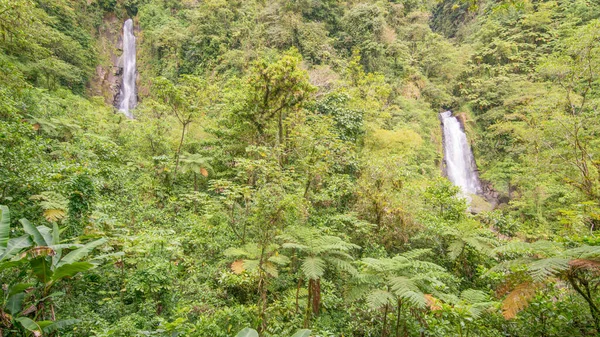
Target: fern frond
[251,265]
[270,269]
[357,292]
[417,299]
[449,298]
[455,249]
[583,252]
[343,265]
[509,265]
[235,252]
[518,299]
[406,289]
[541,247]
[279,259]
[416,253]
[379,298]
[477,309]
[365,278]
[473,296]
[426,266]
[313,267]
[542,269]
[519,247]
[293,245]
[482,245]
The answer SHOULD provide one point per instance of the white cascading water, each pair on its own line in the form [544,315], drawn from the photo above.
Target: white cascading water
[460,163]
[128,93]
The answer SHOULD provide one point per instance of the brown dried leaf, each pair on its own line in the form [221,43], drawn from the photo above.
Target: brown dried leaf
[238,267]
[41,251]
[432,302]
[585,264]
[518,299]
[204,172]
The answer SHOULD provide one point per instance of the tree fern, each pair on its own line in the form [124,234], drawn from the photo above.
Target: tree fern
[541,261]
[317,251]
[313,267]
[379,298]
[540,270]
[403,280]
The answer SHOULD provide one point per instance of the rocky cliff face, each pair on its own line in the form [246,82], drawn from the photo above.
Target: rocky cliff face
[109,72]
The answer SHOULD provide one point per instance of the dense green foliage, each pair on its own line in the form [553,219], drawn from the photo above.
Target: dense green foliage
[283,172]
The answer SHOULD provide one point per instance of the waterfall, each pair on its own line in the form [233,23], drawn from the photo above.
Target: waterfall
[460,164]
[128,92]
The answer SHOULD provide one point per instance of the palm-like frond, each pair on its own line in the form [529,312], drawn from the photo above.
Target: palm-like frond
[473,296]
[416,253]
[455,249]
[542,269]
[318,250]
[313,267]
[379,298]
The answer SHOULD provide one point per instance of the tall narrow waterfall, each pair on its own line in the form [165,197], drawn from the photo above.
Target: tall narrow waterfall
[128,92]
[460,164]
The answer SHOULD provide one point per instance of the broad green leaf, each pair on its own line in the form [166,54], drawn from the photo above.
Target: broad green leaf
[80,253]
[41,268]
[56,244]
[10,264]
[29,324]
[247,332]
[46,234]
[30,229]
[15,246]
[4,227]
[62,246]
[55,234]
[14,305]
[99,258]
[68,270]
[302,333]
[19,287]
[59,325]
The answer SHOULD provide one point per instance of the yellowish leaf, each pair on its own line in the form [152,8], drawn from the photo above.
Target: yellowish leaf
[238,267]
[518,299]
[204,172]
[53,215]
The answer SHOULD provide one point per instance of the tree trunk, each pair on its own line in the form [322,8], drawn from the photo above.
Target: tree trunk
[308,306]
[398,318]
[179,147]
[298,293]
[316,296]
[385,313]
[262,288]
[594,311]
